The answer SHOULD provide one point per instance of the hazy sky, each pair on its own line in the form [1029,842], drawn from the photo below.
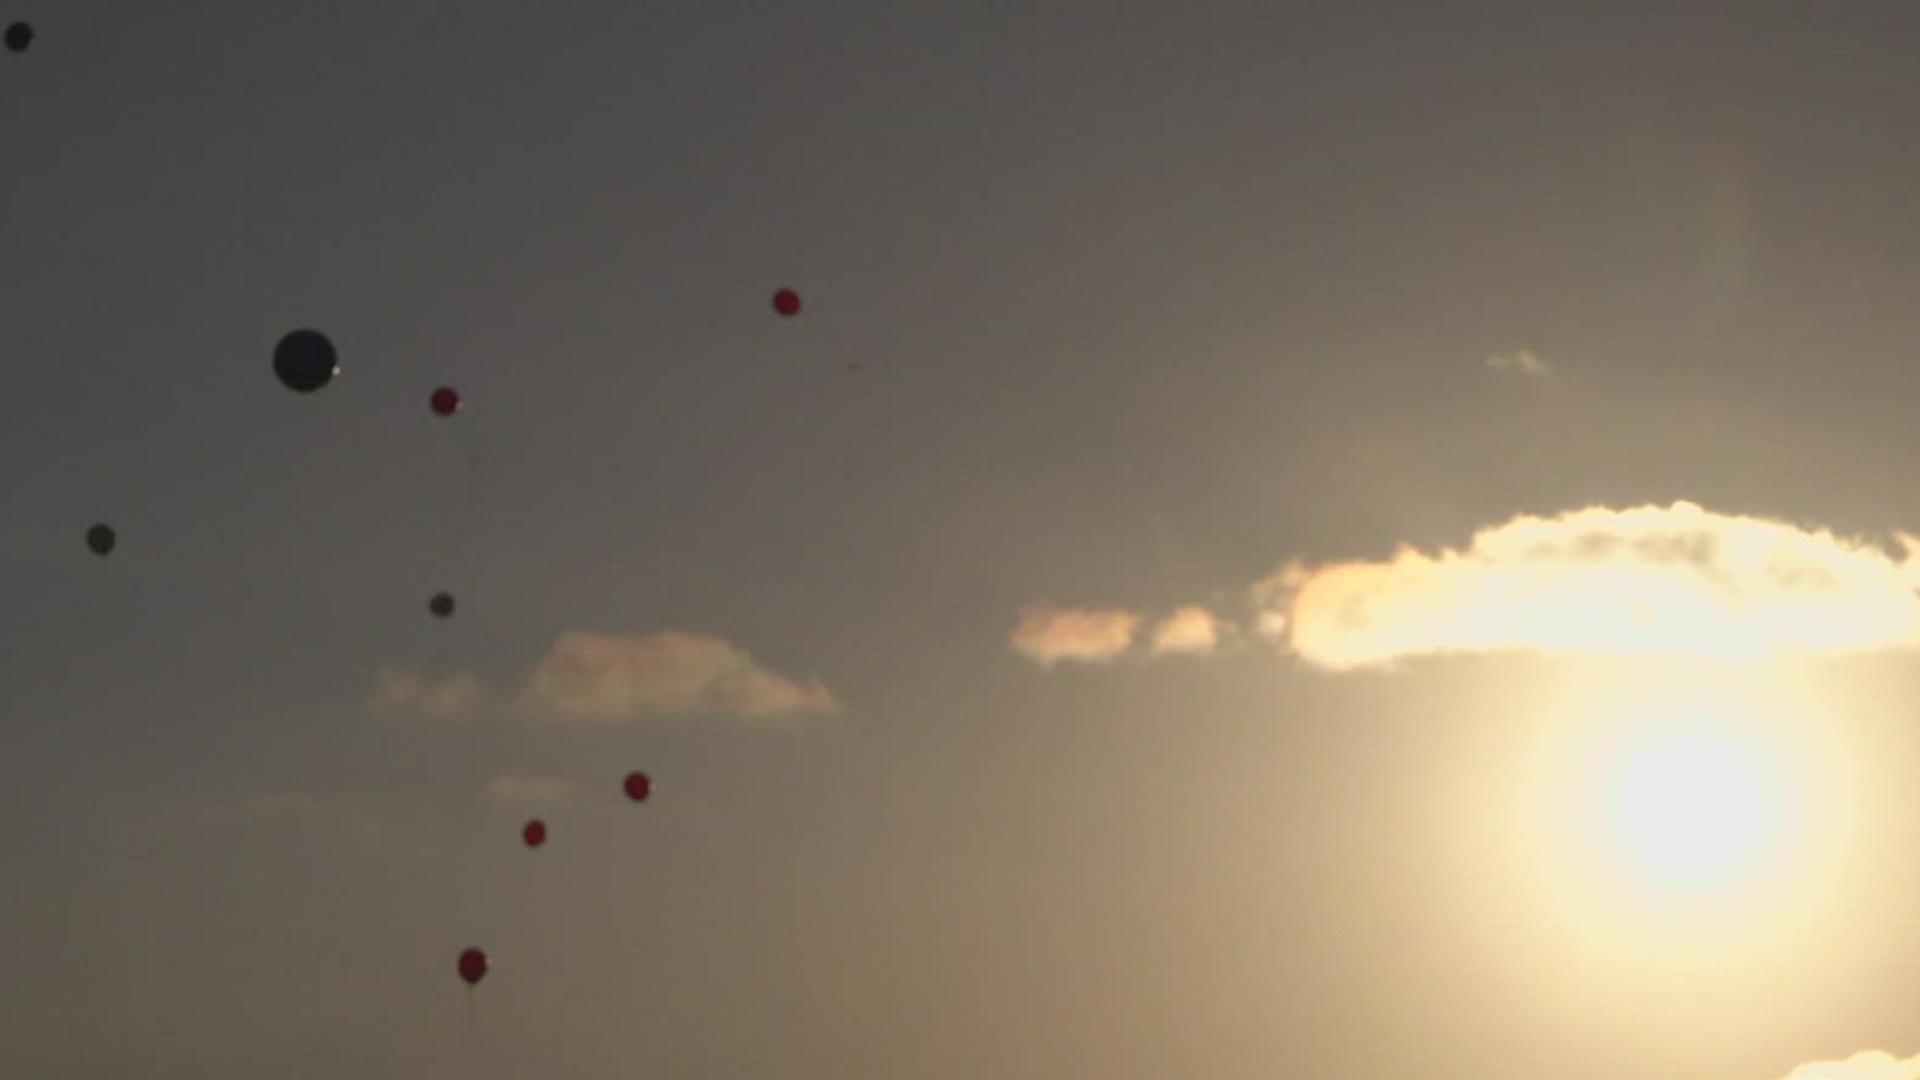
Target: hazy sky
[1293,450]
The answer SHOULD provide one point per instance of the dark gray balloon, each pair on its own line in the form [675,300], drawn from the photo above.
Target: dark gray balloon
[305,361]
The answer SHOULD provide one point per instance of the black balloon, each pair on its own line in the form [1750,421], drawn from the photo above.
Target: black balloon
[100,539]
[441,604]
[19,36]
[305,361]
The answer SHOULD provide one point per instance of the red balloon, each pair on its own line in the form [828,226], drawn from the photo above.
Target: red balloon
[445,401]
[535,833]
[473,966]
[786,302]
[638,786]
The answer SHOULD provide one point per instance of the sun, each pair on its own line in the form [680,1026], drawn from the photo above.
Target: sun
[1681,820]
[1694,806]
[1691,790]
[1681,806]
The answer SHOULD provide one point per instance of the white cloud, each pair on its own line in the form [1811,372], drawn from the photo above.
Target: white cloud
[1191,630]
[402,690]
[610,679]
[1050,635]
[1521,360]
[1674,580]
[1865,1065]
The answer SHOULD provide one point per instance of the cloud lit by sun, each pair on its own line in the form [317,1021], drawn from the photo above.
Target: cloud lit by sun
[1050,635]
[1865,1065]
[1192,631]
[1676,581]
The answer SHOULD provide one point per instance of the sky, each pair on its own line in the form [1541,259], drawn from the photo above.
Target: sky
[1338,540]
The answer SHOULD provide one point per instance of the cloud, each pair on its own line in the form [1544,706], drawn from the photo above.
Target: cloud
[402,690]
[1520,360]
[1652,580]
[530,790]
[608,679]
[1647,581]
[1191,630]
[1865,1065]
[1050,635]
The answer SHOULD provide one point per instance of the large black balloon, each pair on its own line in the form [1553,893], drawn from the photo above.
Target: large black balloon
[441,604]
[305,361]
[19,36]
[100,539]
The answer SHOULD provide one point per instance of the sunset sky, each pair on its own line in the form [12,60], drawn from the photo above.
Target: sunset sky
[1337,541]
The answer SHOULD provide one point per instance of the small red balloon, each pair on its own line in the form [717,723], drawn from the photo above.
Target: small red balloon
[445,401]
[638,786]
[786,302]
[473,966]
[535,833]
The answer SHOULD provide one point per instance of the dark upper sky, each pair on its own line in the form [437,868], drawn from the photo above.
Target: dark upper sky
[1118,304]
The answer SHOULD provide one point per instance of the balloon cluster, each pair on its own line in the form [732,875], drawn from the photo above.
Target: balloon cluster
[474,963]
[305,361]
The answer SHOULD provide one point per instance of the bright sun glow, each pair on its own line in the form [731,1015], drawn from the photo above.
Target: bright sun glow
[1684,807]
[1694,807]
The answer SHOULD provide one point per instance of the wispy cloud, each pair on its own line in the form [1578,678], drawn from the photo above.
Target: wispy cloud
[1050,635]
[607,679]
[403,690]
[612,679]
[1523,361]
[1192,631]
[1865,1065]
